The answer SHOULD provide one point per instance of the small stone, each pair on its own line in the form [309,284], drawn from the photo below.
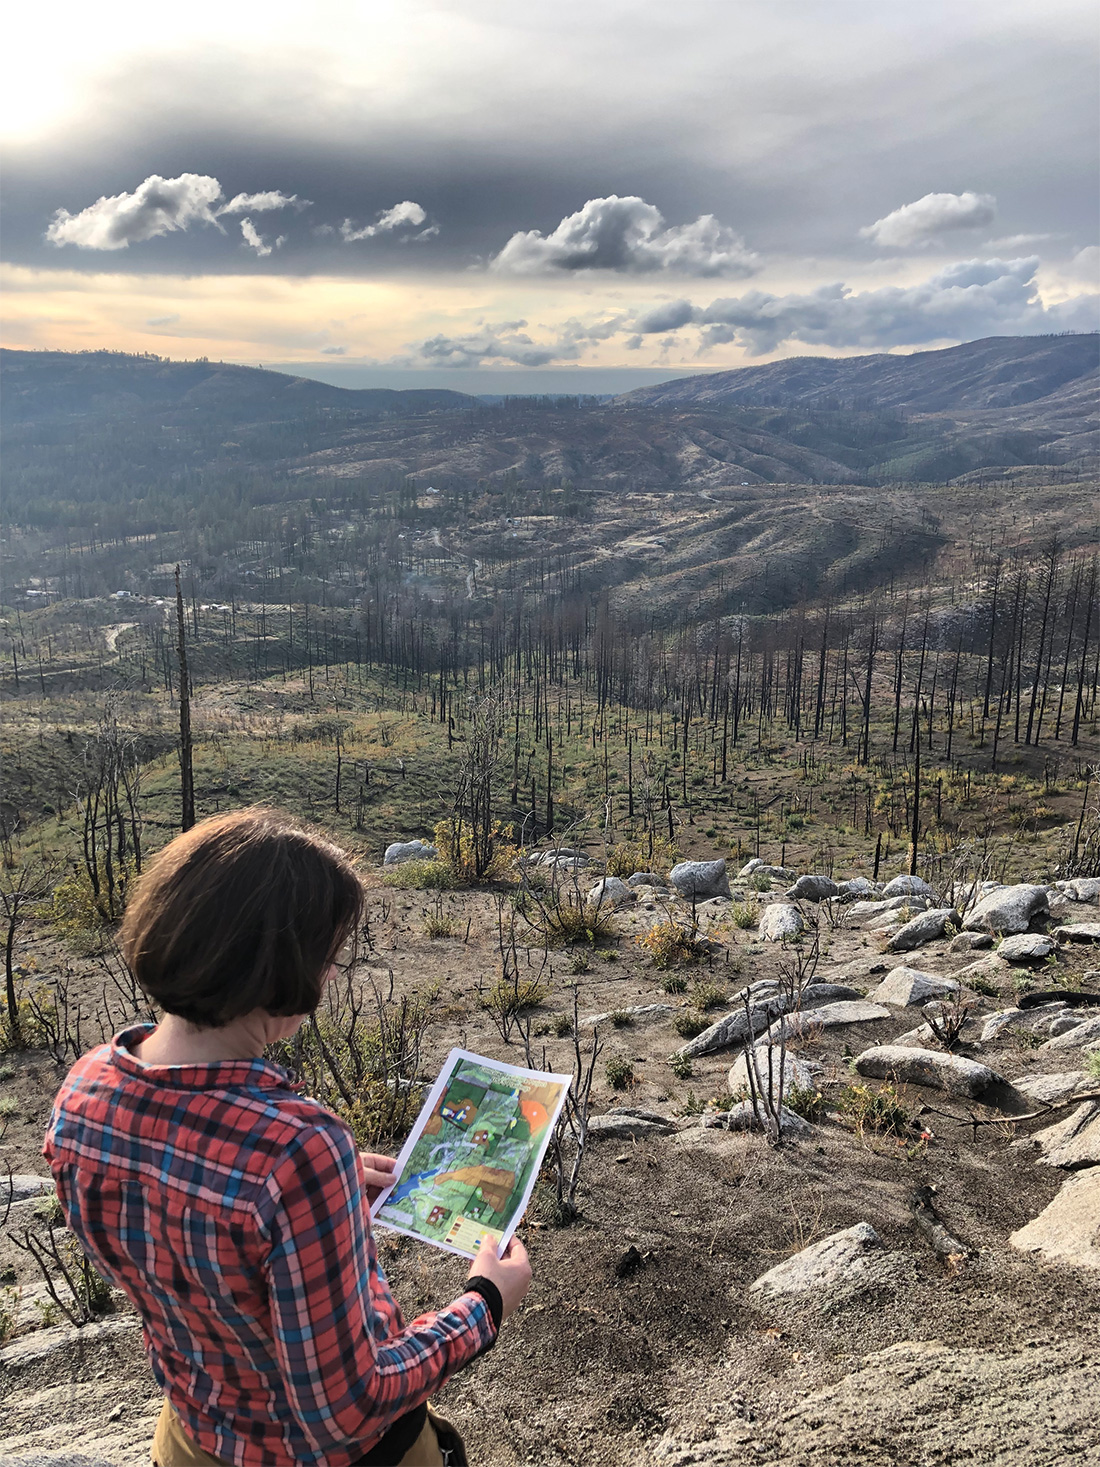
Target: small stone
[1026,947]
[638,1013]
[948,1072]
[812,889]
[117,1413]
[625,1127]
[410,850]
[1081,888]
[908,886]
[1010,909]
[1068,1230]
[1048,1089]
[1078,932]
[645,878]
[1074,1142]
[907,987]
[1064,1023]
[857,889]
[833,1260]
[965,942]
[1078,1037]
[828,1016]
[926,927]
[780,921]
[700,879]
[21,1185]
[865,911]
[611,891]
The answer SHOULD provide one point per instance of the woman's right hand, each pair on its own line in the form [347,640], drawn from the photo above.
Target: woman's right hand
[511,1274]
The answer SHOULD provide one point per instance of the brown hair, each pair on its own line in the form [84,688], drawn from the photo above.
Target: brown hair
[244,911]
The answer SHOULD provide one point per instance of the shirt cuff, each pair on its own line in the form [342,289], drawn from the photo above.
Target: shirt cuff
[491,1294]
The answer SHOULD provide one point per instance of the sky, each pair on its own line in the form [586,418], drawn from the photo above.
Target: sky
[516,194]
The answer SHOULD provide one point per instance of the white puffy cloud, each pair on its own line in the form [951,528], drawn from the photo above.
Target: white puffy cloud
[628,235]
[401,216]
[928,218]
[160,206]
[157,206]
[256,241]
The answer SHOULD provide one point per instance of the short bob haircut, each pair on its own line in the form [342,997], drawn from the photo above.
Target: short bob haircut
[245,911]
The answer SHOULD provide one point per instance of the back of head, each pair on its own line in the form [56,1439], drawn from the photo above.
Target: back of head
[245,911]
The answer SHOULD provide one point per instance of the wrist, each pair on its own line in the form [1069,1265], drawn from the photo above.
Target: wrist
[494,1301]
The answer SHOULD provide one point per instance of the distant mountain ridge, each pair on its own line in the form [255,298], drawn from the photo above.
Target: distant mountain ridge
[996,372]
[41,384]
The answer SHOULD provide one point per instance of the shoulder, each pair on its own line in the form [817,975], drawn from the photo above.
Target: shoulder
[318,1169]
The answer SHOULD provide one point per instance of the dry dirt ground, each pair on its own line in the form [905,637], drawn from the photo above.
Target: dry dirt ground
[671,1360]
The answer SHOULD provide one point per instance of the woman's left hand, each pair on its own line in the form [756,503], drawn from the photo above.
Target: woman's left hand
[380,1173]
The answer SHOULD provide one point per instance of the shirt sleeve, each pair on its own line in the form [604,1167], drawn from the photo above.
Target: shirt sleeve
[347,1376]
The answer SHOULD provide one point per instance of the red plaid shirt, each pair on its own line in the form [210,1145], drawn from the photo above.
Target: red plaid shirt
[233,1213]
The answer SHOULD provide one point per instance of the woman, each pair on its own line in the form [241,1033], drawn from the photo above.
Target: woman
[234,1211]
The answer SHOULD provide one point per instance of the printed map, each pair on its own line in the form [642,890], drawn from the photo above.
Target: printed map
[473,1157]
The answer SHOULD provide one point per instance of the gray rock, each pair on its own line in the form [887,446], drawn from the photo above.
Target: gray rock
[828,1016]
[908,886]
[700,879]
[795,1072]
[1068,1230]
[1049,1089]
[409,850]
[856,889]
[624,1127]
[54,1459]
[864,911]
[761,868]
[21,1185]
[29,1349]
[906,987]
[821,1266]
[733,1028]
[610,892]
[1078,932]
[1003,1019]
[780,921]
[1073,1143]
[744,1118]
[749,867]
[646,878]
[815,994]
[1026,947]
[989,967]
[1084,1034]
[948,1072]
[812,889]
[926,927]
[965,942]
[1063,1024]
[639,1013]
[1010,909]
[1081,888]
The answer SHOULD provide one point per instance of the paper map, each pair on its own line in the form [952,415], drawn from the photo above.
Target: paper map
[471,1161]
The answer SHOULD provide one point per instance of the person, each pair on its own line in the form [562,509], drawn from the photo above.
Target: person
[234,1211]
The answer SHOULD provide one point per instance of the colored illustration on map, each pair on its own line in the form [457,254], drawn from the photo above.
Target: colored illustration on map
[469,1167]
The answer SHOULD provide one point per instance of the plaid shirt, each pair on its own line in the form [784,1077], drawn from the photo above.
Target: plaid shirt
[233,1213]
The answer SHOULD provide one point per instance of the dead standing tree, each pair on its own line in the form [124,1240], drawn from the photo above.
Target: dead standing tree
[108,797]
[187,773]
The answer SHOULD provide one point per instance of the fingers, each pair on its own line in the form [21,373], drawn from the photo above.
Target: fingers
[515,1252]
[378,1163]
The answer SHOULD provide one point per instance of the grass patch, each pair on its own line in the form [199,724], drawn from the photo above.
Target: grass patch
[745,914]
[671,945]
[628,857]
[707,996]
[688,1024]
[681,1066]
[421,876]
[673,983]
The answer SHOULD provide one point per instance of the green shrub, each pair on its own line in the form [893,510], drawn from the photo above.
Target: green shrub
[436,926]
[1092,1066]
[673,983]
[620,1019]
[510,997]
[421,876]
[688,1024]
[634,855]
[672,945]
[805,1101]
[681,1066]
[454,839]
[9,1314]
[760,883]
[560,923]
[880,1110]
[983,985]
[620,1074]
[707,996]
[579,963]
[745,914]
[563,1026]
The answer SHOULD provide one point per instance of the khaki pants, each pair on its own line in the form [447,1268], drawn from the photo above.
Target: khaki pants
[172,1447]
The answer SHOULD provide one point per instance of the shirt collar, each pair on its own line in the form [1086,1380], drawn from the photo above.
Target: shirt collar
[211,1075]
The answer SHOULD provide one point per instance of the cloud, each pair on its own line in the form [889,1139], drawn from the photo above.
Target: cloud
[928,218]
[401,216]
[163,320]
[494,343]
[157,206]
[263,203]
[967,300]
[667,317]
[334,351]
[628,235]
[161,206]
[255,240]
